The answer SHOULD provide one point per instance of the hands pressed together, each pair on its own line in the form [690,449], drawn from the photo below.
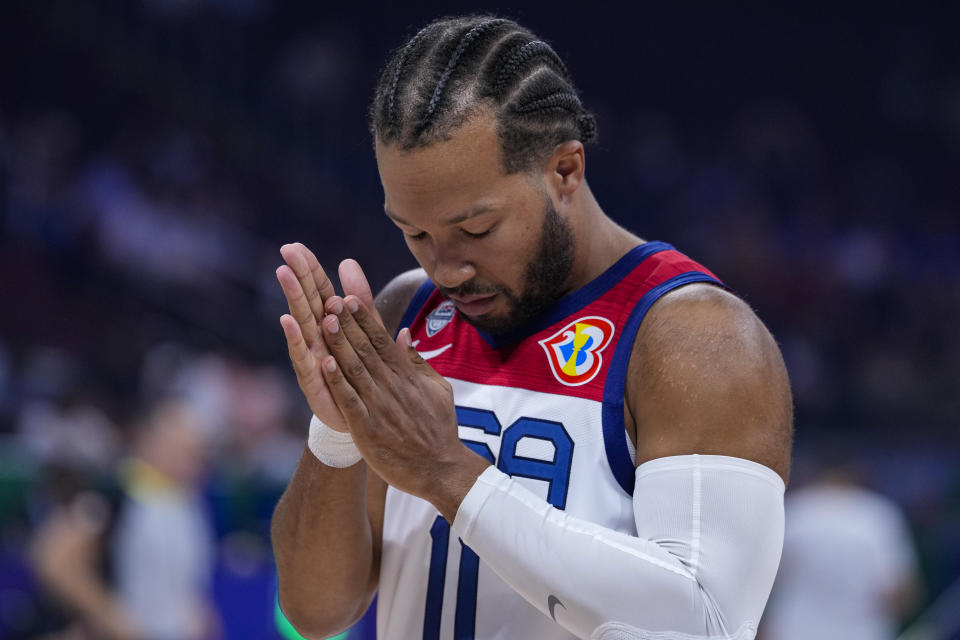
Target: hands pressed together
[356,378]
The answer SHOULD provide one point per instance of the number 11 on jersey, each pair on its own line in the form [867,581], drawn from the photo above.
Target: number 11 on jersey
[555,472]
[464,621]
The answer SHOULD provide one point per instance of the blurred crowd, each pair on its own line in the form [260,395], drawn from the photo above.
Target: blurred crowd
[154,155]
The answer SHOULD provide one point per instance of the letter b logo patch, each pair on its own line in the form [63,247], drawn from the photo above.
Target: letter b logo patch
[574,352]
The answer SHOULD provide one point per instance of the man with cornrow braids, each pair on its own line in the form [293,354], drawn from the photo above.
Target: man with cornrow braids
[554,428]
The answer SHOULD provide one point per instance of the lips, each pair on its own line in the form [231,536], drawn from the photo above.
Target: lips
[473,298]
[474,305]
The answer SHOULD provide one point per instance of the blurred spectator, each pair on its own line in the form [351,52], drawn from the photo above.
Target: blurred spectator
[73,431]
[67,555]
[144,573]
[849,569]
[164,547]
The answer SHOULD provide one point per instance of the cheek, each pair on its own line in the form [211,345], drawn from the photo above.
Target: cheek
[508,260]
[420,250]
[522,241]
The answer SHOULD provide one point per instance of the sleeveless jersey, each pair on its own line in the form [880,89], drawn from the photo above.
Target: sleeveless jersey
[545,405]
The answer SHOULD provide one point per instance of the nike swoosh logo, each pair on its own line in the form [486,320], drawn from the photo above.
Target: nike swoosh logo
[426,355]
[552,602]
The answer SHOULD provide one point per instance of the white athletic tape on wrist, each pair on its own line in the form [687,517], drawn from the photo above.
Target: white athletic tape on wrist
[333,448]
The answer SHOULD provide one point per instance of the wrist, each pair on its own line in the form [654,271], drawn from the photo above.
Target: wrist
[332,447]
[457,478]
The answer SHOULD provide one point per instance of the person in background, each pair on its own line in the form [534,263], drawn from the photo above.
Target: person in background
[77,601]
[849,567]
[142,570]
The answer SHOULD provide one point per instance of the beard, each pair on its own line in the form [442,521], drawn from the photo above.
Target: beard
[544,279]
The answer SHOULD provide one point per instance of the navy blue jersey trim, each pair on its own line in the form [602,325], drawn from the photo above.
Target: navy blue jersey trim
[416,303]
[580,298]
[614,432]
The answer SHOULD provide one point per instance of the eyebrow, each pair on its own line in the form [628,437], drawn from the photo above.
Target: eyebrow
[457,219]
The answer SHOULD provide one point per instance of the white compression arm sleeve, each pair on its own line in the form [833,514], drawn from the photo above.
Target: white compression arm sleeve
[709,537]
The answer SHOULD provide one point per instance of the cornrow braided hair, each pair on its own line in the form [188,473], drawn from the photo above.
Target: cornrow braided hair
[398,68]
[455,67]
[562,100]
[465,42]
[522,54]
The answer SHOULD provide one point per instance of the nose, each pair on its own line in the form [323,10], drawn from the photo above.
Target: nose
[451,268]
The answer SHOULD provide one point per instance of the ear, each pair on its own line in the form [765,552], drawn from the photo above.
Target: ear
[565,169]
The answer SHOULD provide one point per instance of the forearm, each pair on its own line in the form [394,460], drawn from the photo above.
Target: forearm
[323,546]
[702,564]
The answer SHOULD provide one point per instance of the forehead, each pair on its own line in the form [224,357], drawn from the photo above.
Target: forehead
[448,176]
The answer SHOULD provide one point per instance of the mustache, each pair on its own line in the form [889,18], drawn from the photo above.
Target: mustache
[469,289]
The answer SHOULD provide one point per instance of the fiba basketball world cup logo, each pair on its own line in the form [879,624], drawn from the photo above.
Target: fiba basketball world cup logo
[574,351]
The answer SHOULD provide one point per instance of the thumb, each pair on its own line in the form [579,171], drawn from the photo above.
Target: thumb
[405,340]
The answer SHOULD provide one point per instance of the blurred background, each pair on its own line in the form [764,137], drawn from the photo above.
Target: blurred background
[155,154]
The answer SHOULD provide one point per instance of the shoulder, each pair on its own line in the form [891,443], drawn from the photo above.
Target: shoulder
[393,299]
[706,376]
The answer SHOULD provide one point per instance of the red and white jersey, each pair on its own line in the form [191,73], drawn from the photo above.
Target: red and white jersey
[545,405]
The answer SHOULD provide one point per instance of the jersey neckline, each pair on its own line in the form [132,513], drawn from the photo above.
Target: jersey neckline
[578,298]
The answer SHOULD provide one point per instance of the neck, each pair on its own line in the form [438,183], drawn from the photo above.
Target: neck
[600,242]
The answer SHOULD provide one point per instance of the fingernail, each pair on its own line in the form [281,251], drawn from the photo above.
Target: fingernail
[352,305]
[333,324]
[337,307]
[330,364]
[407,338]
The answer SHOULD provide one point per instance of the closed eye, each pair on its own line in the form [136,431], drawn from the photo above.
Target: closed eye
[477,235]
[423,234]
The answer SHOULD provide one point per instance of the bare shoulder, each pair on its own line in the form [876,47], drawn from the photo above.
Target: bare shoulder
[706,376]
[393,299]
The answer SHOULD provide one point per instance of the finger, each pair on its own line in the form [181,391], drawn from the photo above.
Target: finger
[355,283]
[297,348]
[368,322]
[320,279]
[348,362]
[299,305]
[413,357]
[314,281]
[405,339]
[346,397]
[367,349]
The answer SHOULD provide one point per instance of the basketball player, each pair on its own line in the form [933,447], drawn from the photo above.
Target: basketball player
[575,433]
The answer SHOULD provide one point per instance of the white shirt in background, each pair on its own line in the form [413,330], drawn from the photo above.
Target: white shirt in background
[846,551]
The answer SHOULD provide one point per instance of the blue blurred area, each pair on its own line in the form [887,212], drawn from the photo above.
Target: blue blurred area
[155,154]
